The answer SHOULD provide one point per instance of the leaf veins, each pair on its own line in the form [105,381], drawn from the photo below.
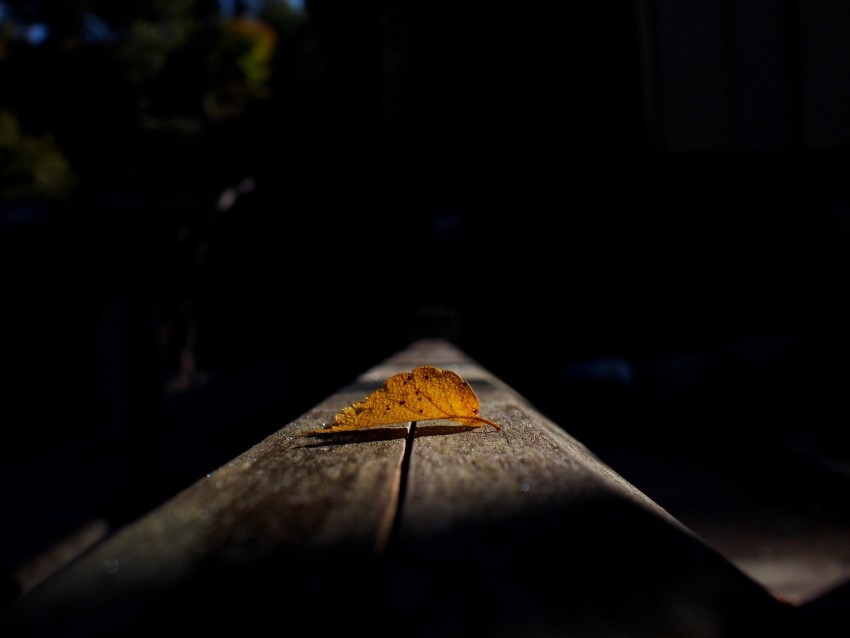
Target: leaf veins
[423,394]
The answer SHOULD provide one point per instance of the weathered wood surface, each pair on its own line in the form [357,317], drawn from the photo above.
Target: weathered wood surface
[522,532]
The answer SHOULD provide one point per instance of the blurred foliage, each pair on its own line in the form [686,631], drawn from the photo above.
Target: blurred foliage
[240,66]
[120,94]
[30,166]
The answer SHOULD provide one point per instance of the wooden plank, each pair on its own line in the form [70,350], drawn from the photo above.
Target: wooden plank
[264,539]
[525,532]
[518,532]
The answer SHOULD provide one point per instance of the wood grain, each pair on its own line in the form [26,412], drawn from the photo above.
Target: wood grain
[425,529]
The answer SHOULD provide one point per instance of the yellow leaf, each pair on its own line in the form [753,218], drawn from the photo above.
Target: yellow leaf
[423,394]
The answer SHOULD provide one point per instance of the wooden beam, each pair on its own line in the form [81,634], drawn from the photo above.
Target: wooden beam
[412,530]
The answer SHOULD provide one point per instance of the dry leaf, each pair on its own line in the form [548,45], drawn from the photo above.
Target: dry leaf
[423,394]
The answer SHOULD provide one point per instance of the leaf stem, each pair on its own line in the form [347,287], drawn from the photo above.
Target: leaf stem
[480,418]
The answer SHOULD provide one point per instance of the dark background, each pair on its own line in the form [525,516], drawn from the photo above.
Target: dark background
[214,215]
